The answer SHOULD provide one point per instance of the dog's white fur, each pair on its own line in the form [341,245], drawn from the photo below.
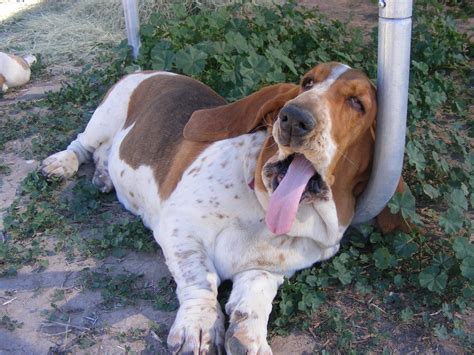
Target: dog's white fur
[15,70]
[211,228]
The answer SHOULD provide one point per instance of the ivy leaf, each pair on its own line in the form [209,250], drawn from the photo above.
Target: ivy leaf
[423,67]
[340,270]
[441,332]
[191,61]
[404,245]
[452,220]
[463,248]
[398,281]
[415,156]
[311,300]
[433,279]
[237,41]
[162,56]
[311,280]
[276,76]
[254,69]
[457,198]
[440,162]
[147,30]
[430,191]
[220,47]
[443,261]
[286,307]
[405,204]
[279,55]
[406,314]
[383,259]
[156,19]
[467,268]
[257,64]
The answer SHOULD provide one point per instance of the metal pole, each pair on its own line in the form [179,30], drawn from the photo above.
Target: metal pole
[394,38]
[132,24]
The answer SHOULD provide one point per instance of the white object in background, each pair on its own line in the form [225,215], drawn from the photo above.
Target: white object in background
[132,24]
[393,69]
[14,71]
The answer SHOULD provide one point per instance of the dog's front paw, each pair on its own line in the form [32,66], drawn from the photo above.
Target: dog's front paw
[198,329]
[63,164]
[247,334]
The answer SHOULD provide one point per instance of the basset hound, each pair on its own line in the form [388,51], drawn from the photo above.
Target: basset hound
[14,71]
[250,191]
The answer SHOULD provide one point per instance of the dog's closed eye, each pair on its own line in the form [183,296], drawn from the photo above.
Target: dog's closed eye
[356,104]
[307,83]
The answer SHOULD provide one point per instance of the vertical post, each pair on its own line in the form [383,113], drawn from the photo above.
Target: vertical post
[132,24]
[394,39]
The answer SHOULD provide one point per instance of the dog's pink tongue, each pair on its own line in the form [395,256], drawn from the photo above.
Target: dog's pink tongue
[286,198]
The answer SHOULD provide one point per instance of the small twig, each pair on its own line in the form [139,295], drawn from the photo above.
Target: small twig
[67,329]
[65,325]
[120,347]
[9,301]
[155,336]
[380,309]
[435,313]
[312,333]
[350,315]
[326,343]
[363,339]
[358,300]
[57,334]
[93,320]
[66,278]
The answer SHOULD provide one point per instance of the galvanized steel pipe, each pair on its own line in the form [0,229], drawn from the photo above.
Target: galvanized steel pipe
[132,24]
[394,38]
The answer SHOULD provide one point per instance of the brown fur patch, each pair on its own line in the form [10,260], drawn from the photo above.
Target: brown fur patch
[269,149]
[2,81]
[159,108]
[240,117]
[388,222]
[351,131]
[349,171]
[20,61]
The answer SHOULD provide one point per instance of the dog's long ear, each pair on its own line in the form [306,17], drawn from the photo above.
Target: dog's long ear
[240,117]
[389,222]
[386,220]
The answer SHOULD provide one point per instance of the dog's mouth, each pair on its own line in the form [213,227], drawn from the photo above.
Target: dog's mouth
[316,188]
[293,180]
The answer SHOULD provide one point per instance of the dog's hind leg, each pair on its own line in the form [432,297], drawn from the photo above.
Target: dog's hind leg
[107,120]
[101,177]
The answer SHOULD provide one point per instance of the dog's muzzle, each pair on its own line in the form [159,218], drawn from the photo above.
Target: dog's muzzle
[295,124]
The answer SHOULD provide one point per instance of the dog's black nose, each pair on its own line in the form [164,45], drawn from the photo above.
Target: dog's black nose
[295,123]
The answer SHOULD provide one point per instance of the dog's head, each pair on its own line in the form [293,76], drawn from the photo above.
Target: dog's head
[319,144]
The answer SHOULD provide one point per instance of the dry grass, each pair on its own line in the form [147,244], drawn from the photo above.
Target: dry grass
[68,33]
